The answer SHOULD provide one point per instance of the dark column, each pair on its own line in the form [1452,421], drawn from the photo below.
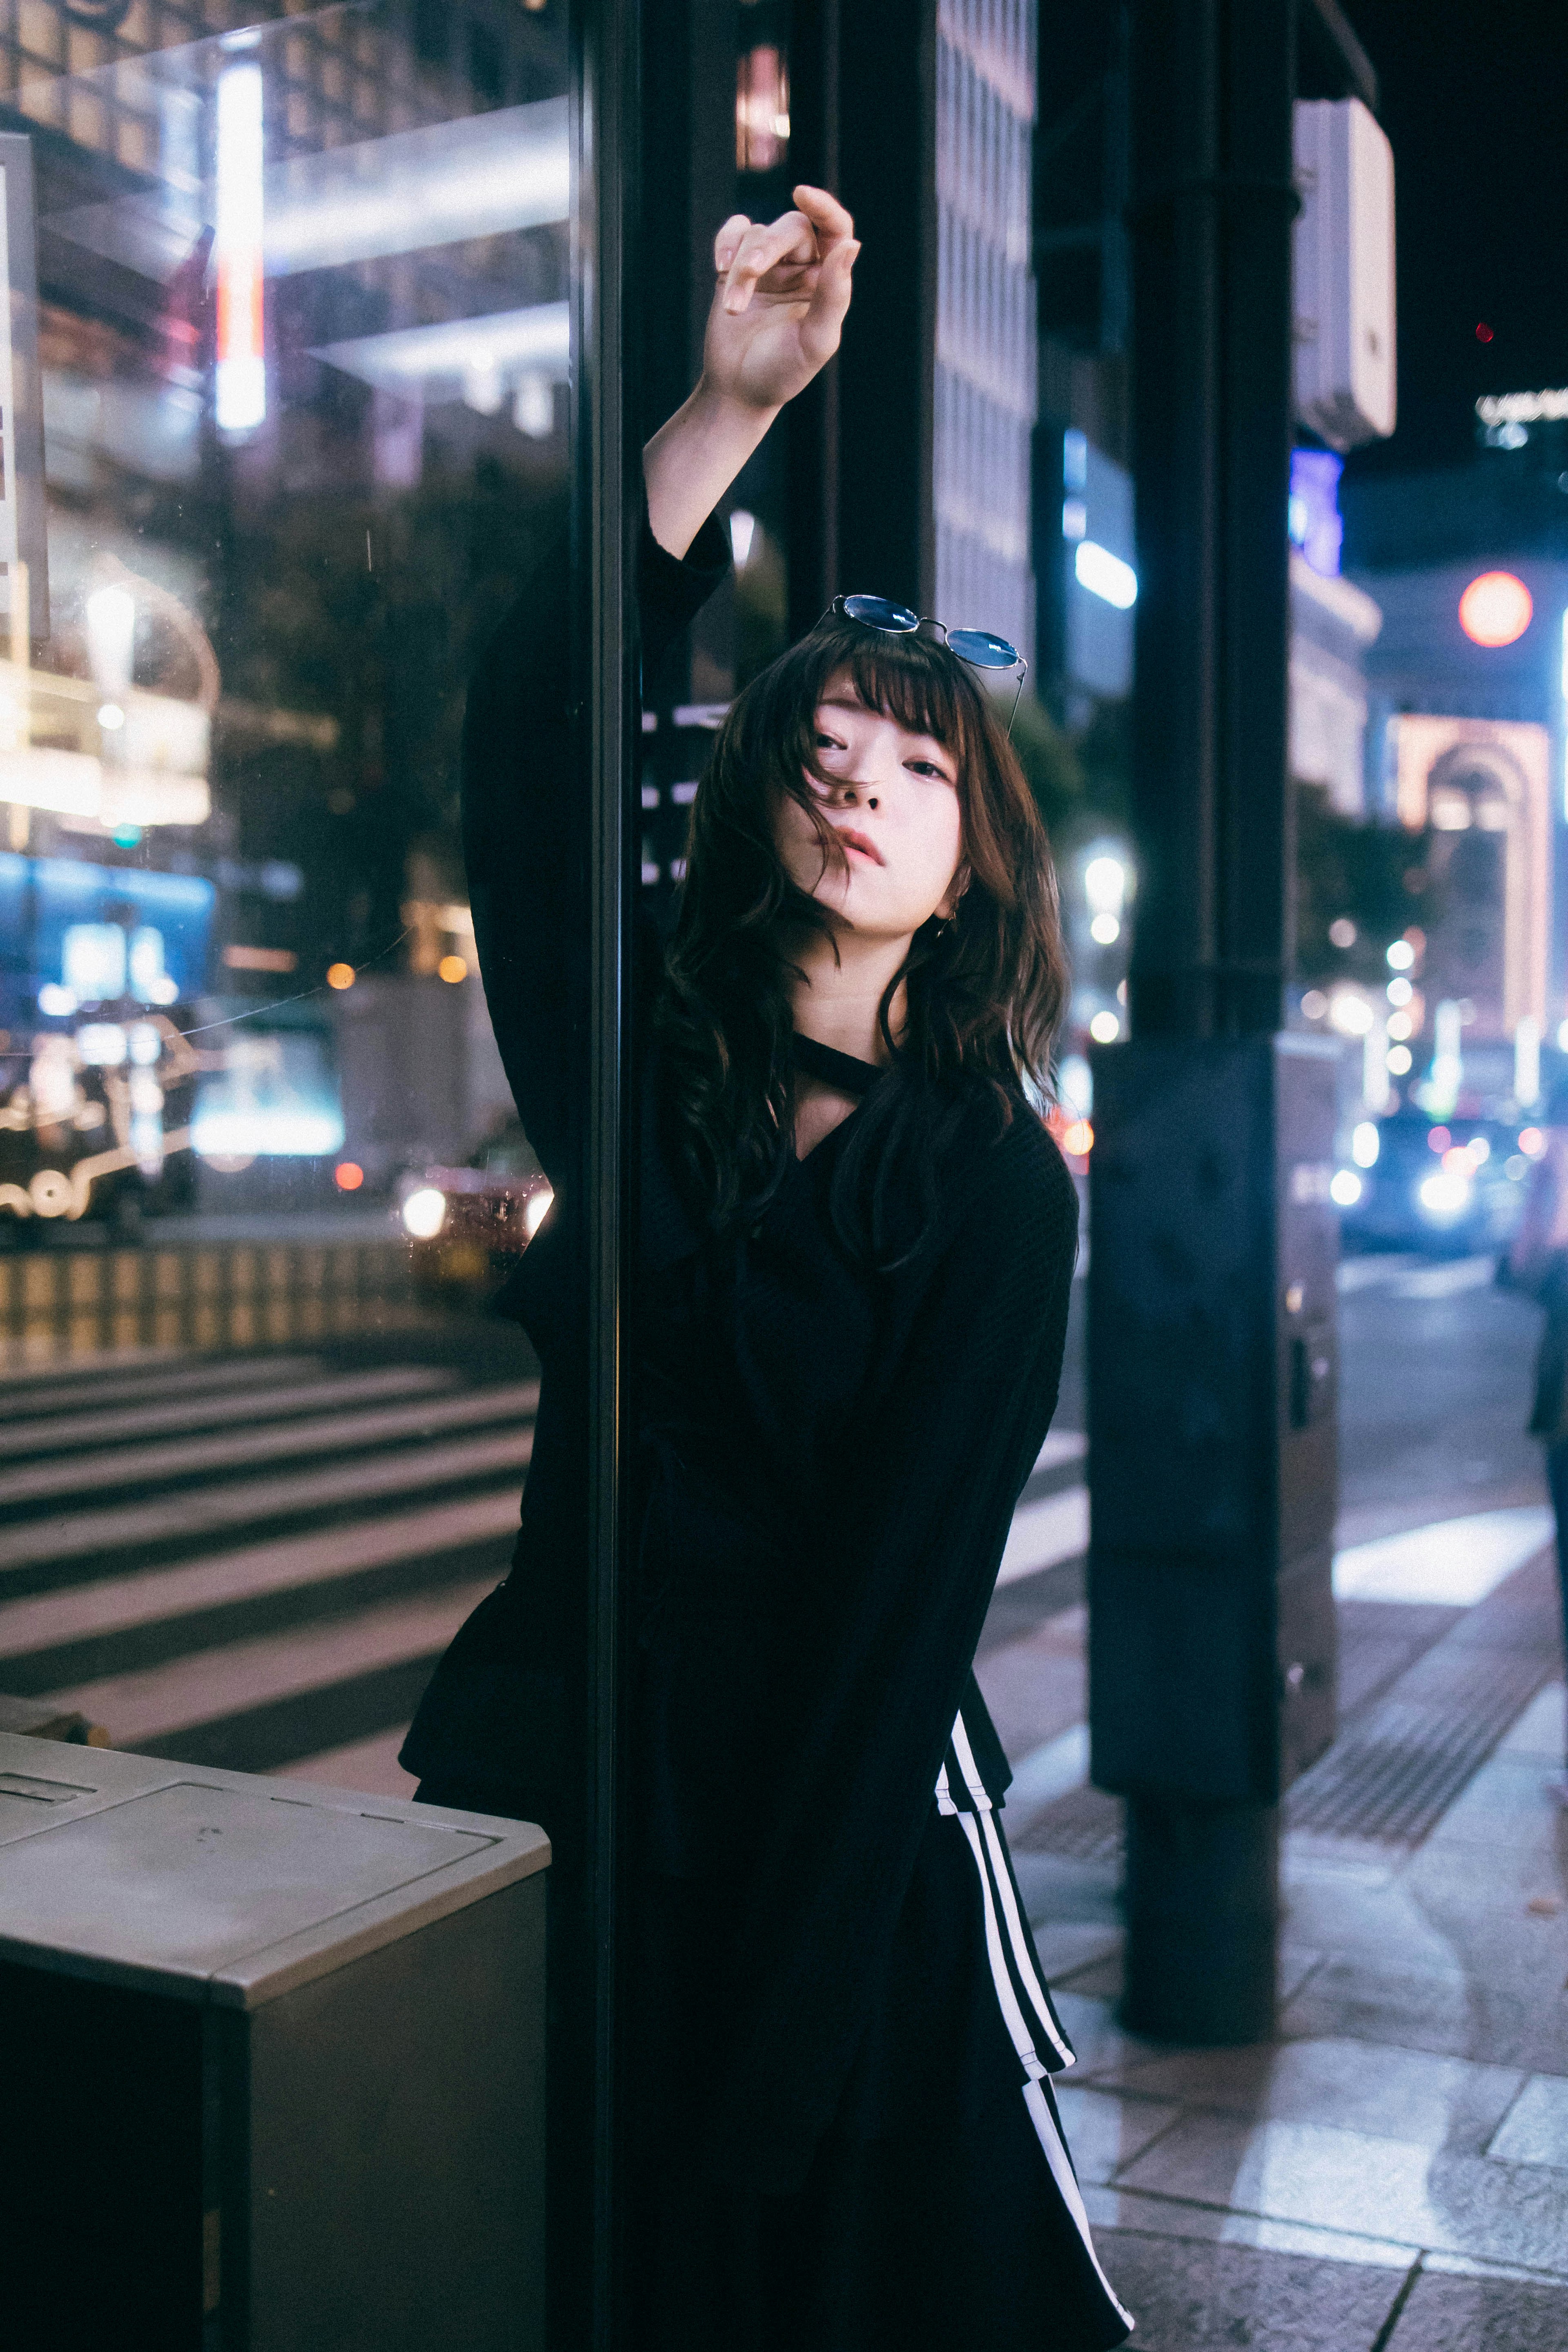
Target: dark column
[812,421]
[863,114]
[1212,1302]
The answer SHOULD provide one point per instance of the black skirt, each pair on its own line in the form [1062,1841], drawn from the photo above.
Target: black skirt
[941,2207]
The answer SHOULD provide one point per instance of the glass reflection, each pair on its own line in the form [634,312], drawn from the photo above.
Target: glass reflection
[282,411]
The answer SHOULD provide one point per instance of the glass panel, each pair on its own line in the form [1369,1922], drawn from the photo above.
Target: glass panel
[281,431]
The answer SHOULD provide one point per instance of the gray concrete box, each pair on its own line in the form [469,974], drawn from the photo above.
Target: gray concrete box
[271,2064]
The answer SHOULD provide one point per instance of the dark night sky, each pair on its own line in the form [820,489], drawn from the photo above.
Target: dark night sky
[1474,103]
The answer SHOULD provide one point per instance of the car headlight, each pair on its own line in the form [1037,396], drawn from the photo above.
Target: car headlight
[1344,1188]
[1445,1194]
[425,1212]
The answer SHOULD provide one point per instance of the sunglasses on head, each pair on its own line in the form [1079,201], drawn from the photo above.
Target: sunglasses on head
[979,647]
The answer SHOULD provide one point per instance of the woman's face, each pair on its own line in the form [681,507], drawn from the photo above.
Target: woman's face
[893,801]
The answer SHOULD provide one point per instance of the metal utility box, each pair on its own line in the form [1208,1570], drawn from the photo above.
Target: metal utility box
[271,2064]
[1343,272]
[1213,1462]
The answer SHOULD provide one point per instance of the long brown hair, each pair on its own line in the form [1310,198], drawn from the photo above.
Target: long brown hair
[984,992]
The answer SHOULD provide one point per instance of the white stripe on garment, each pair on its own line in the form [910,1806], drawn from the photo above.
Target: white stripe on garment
[1018,2032]
[1019,1940]
[967,1765]
[996,1891]
[1028,1975]
[1057,2157]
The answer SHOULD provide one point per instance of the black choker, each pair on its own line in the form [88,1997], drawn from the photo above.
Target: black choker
[841,1071]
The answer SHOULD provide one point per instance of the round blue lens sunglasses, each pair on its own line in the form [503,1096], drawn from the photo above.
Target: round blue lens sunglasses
[978,647]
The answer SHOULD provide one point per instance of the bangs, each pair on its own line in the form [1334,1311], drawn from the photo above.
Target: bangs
[919,685]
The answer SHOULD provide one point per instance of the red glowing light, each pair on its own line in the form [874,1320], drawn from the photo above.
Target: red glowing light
[1483,332]
[1495,609]
[348,1176]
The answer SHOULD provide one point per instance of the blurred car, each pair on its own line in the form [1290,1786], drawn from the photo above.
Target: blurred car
[1452,1188]
[468,1226]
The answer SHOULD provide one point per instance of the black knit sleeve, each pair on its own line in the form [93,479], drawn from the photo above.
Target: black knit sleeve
[525,830]
[924,1522]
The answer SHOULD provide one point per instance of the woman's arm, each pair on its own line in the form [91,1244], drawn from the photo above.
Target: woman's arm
[782,292]
[778,309]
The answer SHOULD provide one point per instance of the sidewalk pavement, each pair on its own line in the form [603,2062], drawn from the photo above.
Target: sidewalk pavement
[1391,2173]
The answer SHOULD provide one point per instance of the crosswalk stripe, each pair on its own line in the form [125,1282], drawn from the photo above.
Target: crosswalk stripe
[149,1596]
[215,1372]
[299,1396]
[199,1512]
[360,1568]
[204,1689]
[1055,1528]
[1061,1445]
[330,1434]
[22,1370]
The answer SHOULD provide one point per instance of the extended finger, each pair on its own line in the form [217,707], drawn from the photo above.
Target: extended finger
[727,244]
[790,237]
[826,213]
[821,326]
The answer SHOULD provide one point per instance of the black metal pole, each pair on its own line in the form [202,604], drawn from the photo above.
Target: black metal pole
[1196,1581]
[583,2283]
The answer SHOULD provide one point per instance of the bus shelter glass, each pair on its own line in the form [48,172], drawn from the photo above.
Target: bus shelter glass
[283,407]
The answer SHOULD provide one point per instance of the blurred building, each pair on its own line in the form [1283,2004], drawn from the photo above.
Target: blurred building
[1471,568]
[984,393]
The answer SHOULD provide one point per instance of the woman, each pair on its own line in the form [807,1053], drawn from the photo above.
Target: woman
[856,1247]
[1538,1262]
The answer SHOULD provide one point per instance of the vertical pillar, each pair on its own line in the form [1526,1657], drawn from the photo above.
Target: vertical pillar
[1211,1423]
[862,107]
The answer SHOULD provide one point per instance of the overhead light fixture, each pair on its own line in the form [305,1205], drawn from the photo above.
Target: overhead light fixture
[1104,575]
[241,386]
[441,184]
[475,360]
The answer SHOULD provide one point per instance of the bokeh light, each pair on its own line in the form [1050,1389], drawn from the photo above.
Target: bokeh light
[1495,609]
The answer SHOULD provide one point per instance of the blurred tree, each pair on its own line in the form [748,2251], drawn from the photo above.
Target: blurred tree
[1376,878]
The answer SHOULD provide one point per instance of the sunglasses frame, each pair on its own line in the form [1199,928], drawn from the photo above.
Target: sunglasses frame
[839,610]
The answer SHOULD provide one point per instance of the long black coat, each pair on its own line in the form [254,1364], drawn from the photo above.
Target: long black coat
[830,1460]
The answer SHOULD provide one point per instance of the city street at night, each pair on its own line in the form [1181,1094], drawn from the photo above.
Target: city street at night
[256,1561]
[783,1176]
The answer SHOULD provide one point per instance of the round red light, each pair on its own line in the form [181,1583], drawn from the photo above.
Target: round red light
[348,1176]
[1495,609]
[1483,332]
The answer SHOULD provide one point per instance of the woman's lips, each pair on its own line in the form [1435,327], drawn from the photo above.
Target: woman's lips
[862,842]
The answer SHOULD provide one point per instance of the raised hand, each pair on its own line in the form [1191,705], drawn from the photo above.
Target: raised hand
[779,305]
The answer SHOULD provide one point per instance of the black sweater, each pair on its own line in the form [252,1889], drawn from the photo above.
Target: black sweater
[830,1458]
